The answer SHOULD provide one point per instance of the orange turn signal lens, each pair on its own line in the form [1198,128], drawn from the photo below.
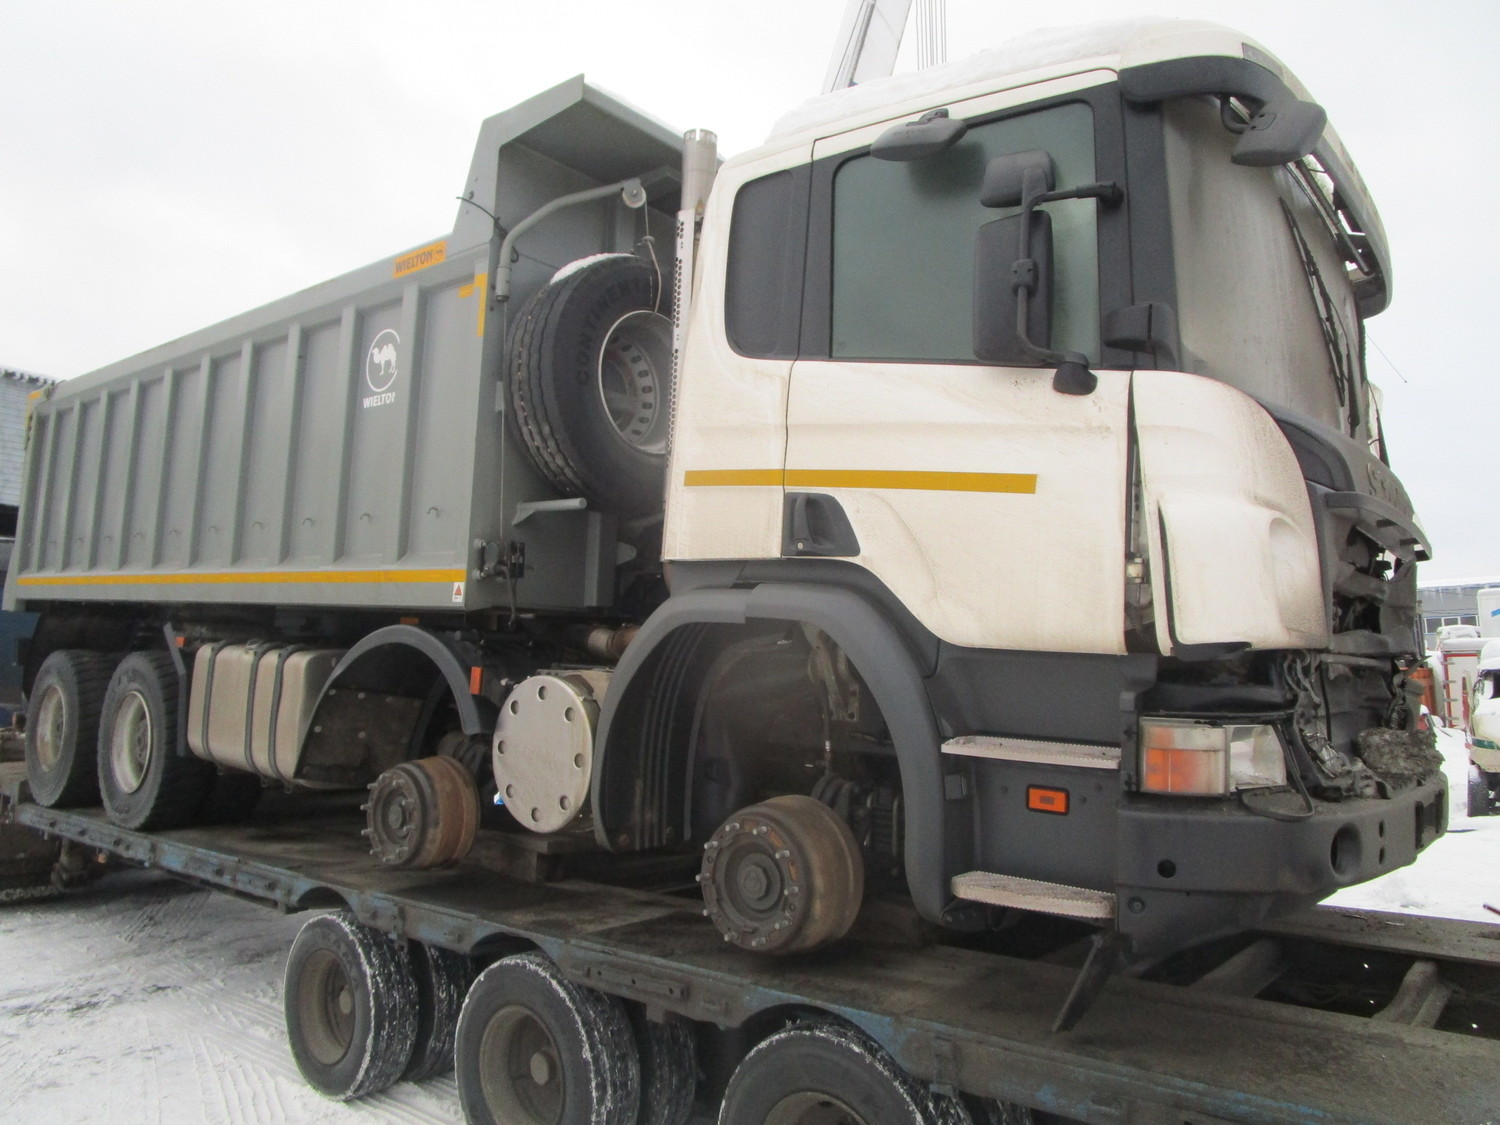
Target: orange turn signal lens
[1047,800]
[1171,769]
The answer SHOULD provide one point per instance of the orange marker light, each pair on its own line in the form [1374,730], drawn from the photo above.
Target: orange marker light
[476,680]
[1047,800]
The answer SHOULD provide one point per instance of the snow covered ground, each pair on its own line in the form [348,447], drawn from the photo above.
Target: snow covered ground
[1453,878]
[142,1001]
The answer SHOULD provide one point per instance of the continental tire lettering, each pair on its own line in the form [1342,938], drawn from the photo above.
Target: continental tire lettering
[420,259]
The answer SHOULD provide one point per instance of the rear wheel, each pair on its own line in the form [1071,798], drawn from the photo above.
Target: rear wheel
[62,728]
[351,1007]
[827,1073]
[535,1049]
[144,781]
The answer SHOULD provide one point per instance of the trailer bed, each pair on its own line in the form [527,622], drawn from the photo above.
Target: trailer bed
[1147,1051]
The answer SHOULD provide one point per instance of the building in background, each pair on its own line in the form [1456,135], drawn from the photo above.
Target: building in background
[1450,603]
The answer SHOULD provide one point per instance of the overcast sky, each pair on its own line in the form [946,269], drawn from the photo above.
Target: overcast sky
[165,164]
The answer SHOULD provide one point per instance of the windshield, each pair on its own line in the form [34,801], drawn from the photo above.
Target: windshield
[1264,301]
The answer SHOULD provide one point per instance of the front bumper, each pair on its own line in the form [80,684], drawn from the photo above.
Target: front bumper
[1188,870]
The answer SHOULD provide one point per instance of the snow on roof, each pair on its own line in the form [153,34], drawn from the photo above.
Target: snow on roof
[1459,583]
[1028,57]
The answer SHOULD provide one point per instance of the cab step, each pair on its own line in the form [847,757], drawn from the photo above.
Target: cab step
[1034,894]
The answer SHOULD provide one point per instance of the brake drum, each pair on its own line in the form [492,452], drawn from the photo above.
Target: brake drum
[543,754]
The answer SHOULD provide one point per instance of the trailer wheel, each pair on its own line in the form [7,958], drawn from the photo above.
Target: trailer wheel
[535,1049]
[591,365]
[145,783]
[827,1073]
[1480,802]
[62,728]
[783,876]
[669,1068]
[351,1007]
[442,978]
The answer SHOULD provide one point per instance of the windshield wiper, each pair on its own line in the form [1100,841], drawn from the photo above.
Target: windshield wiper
[1335,339]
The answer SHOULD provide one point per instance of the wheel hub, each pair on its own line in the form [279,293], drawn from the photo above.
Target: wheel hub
[782,876]
[635,370]
[52,719]
[423,813]
[520,1075]
[812,1108]
[131,742]
[325,1001]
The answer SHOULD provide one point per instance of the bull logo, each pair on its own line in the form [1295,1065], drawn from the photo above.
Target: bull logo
[380,364]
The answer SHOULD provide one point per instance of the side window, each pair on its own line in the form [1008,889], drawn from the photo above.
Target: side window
[763,286]
[903,242]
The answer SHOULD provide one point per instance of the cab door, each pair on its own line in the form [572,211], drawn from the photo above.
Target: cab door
[992,505]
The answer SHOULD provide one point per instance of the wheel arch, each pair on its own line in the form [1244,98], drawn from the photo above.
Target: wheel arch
[645,725]
[393,659]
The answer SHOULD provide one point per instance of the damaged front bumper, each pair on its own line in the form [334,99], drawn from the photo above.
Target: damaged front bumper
[1198,869]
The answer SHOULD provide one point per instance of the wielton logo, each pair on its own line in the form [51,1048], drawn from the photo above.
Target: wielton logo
[380,369]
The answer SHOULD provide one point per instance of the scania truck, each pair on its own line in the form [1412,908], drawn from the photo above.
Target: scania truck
[973,496]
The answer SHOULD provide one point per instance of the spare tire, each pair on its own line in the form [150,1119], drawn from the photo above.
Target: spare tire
[591,380]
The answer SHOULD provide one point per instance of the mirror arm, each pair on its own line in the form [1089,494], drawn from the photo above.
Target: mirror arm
[1073,376]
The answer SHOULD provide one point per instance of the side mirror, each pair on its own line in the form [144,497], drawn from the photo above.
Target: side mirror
[1011,179]
[928,135]
[1003,269]
[1282,131]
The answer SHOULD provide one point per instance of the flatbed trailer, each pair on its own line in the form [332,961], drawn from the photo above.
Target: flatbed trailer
[1362,1016]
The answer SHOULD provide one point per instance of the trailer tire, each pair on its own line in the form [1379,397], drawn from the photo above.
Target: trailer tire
[535,1049]
[144,781]
[591,370]
[1480,803]
[823,1070]
[669,1068]
[62,728]
[351,1007]
[442,978]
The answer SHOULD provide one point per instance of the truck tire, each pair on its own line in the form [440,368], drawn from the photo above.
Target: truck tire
[62,728]
[824,1071]
[591,372]
[1480,803]
[442,978]
[535,1049]
[351,1007]
[669,1068]
[145,783]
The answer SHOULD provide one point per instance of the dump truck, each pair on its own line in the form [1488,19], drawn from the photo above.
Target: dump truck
[974,496]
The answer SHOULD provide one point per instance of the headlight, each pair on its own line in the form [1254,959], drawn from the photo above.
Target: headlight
[1194,758]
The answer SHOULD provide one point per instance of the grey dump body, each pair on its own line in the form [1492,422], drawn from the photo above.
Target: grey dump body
[346,446]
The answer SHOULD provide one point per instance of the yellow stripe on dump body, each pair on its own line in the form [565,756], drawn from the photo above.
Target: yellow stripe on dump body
[864,478]
[222,577]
